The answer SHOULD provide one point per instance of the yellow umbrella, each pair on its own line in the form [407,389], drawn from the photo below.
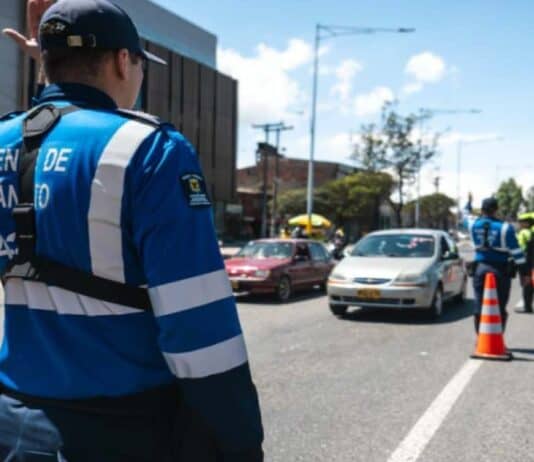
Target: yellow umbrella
[317,221]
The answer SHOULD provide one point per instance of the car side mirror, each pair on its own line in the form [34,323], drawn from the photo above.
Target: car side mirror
[299,258]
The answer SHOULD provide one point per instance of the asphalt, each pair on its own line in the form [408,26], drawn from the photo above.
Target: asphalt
[351,389]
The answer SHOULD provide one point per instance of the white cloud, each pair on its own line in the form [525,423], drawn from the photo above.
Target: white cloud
[371,103]
[267,91]
[345,74]
[411,88]
[426,67]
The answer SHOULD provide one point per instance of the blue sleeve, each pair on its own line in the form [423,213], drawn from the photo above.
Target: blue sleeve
[200,334]
[467,217]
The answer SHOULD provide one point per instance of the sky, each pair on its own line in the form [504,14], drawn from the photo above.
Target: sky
[464,55]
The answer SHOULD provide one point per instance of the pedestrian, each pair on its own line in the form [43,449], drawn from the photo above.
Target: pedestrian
[118,310]
[525,237]
[284,232]
[298,233]
[496,251]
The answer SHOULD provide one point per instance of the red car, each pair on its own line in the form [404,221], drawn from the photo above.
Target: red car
[279,266]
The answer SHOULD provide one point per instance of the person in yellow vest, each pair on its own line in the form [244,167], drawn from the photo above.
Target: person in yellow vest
[525,237]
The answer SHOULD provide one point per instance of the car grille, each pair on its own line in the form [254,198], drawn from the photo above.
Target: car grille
[378,301]
[371,281]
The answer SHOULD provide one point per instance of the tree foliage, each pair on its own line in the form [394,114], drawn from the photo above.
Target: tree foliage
[354,197]
[434,209]
[510,197]
[395,146]
[529,199]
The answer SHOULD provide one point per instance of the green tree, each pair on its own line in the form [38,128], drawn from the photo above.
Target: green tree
[354,197]
[529,199]
[435,210]
[510,197]
[293,202]
[394,146]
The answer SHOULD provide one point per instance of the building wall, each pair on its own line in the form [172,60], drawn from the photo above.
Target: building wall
[293,173]
[202,104]
[171,31]
[11,62]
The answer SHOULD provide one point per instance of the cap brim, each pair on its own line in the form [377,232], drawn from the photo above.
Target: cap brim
[153,58]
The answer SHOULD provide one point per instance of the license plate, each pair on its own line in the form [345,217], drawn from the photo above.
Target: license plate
[235,285]
[368,294]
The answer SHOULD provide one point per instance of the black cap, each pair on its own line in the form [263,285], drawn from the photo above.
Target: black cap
[90,24]
[490,205]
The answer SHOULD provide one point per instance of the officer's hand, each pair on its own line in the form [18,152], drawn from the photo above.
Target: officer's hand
[35,10]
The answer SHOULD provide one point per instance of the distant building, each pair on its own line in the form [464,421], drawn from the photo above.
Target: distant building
[189,92]
[292,174]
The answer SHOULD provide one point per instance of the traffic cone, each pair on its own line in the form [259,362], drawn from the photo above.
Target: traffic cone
[490,343]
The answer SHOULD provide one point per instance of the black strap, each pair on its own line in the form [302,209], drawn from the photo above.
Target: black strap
[81,282]
[37,124]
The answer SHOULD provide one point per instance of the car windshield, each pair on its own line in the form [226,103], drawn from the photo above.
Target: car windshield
[266,250]
[395,245]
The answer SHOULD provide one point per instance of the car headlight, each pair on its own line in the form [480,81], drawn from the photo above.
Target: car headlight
[337,278]
[262,274]
[412,280]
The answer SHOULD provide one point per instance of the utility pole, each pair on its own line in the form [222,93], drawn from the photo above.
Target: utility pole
[276,178]
[263,156]
[437,181]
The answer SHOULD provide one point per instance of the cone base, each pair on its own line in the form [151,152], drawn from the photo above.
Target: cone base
[503,357]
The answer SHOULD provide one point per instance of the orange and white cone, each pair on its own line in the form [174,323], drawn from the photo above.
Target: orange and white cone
[490,343]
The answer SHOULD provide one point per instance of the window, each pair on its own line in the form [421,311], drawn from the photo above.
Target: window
[395,245]
[303,251]
[318,252]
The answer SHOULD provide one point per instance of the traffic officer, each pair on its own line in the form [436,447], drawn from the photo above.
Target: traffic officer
[117,304]
[496,251]
[525,237]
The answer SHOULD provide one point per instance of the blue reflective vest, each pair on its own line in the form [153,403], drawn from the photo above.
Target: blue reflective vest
[495,241]
[126,201]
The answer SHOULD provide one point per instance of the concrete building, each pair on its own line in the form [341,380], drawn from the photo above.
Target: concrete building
[189,92]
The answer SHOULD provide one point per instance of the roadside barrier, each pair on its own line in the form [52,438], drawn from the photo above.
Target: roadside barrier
[490,343]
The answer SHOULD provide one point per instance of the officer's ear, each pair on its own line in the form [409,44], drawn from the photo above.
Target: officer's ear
[122,64]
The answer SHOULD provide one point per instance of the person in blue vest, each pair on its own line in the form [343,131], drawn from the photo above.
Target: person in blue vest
[496,251]
[118,309]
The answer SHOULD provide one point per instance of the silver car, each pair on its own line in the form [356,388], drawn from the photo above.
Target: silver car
[399,268]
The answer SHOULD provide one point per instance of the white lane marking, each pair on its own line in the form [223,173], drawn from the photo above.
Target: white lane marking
[422,432]
[519,304]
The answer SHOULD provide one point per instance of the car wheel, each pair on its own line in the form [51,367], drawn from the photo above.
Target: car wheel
[460,298]
[338,310]
[283,290]
[436,309]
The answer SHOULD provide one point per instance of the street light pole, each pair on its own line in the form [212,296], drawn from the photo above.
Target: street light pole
[309,197]
[331,32]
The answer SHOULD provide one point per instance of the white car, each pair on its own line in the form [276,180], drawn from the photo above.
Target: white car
[399,268]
